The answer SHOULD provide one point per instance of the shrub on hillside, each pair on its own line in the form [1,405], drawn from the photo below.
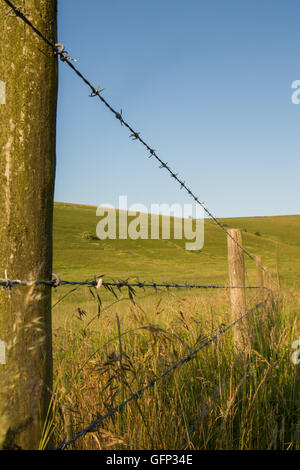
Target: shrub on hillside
[89,236]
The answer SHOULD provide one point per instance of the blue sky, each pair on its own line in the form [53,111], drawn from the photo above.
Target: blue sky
[208,85]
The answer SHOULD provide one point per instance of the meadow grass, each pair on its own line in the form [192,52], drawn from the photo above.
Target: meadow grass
[234,401]
[223,398]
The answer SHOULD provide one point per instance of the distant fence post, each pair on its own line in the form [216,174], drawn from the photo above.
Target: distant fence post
[236,269]
[268,281]
[259,277]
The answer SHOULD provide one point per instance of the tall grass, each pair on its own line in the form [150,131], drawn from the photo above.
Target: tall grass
[222,399]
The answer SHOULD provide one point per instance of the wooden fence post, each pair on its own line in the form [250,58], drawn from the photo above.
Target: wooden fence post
[259,278]
[28,97]
[236,269]
[268,282]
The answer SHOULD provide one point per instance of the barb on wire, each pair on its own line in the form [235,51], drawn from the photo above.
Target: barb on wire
[98,90]
[59,49]
[91,427]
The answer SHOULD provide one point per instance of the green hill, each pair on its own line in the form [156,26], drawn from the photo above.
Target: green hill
[79,255]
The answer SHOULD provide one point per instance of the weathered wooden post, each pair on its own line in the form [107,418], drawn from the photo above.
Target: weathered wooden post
[259,278]
[28,98]
[236,269]
[267,280]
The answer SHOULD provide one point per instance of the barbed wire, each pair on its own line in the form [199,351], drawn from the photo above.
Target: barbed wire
[62,53]
[63,445]
[97,283]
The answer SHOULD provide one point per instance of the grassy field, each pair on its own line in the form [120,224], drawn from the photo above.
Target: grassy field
[276,239]
[223,399]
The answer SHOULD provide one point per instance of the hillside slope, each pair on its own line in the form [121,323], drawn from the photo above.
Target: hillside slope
[78,256]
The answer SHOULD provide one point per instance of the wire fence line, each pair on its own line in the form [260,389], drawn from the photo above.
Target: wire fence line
[91,427]
[63,54]
[97,283]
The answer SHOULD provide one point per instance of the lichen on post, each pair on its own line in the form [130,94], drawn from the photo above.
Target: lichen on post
[28,70]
